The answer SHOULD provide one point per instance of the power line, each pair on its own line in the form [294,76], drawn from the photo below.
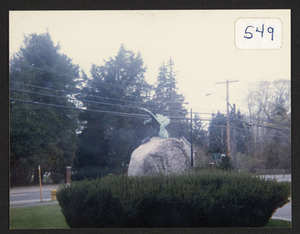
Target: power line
[264,126]
[84,100]
[245,129]
[135,107]
[60,90]
[223,126]
[131,106]
[102,103]
[65,97]
[263,121]
[102,82]
[100,97]
[72,76]
[124,114]
[107,98]
[281,129]
[94,96]
[93,110]
[250,118]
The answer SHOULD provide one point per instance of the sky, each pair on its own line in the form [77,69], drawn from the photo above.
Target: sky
[202,44]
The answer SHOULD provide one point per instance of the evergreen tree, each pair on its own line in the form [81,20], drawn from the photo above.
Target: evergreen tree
[199,134]
[169,101]
[240,136]
[39,134]
[108,140]
[217,134]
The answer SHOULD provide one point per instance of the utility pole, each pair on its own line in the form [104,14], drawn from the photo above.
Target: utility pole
[40,180]
[192,153]
[227,116]
[233,145]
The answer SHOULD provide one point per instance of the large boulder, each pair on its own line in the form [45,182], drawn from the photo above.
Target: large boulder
[160,155]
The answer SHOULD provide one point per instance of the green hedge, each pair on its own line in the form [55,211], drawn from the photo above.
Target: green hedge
[203,199]
[94,172]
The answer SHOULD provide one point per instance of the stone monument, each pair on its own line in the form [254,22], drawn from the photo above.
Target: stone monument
[160,154]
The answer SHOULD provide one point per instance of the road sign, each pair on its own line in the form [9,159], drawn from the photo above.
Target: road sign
[216,155]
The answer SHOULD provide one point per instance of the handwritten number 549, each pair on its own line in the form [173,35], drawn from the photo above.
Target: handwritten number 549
[249,31]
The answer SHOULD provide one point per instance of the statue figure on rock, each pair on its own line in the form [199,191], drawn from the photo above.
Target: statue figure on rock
[158,120]
[159,153]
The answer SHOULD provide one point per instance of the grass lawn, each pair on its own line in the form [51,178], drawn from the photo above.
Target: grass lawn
[274,223]
[40,217]
[50,217]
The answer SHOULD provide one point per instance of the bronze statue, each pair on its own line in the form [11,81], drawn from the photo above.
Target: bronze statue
[160,121]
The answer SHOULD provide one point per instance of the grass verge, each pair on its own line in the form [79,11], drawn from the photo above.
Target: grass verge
[278,223]
[37,217]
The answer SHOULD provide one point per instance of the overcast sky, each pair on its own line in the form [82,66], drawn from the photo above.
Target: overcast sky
[201,44]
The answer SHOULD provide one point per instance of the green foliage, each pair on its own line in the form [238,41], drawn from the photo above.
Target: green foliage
[217,134]
[108,140]
[169,101]
[203,199]
[277,223]
[200,137]
[239,133]
[95,172]
[225,164]
[37,217]
[41,135]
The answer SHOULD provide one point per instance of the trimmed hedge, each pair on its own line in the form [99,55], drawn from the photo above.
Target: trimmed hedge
[94,172]
[203,199]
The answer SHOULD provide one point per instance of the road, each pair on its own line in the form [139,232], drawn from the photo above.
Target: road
[279,178]
[30,194]
[285,212]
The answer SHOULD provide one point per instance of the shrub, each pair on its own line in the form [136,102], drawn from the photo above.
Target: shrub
[57,177]
[225,164]
[203,199]
[93,173]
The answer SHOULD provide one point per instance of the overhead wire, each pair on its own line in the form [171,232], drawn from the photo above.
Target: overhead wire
[259,121]
[247,130]
[93,110]
[125,114]
[129,106]
[83,100]
[122,100]
[105,83]
[74,99]
[100,97]
[102,82]
[95,96]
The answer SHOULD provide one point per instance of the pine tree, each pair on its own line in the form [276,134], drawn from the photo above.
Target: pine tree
[39,134]
[169,101]
[108,140]
[199,134]
[217,134]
